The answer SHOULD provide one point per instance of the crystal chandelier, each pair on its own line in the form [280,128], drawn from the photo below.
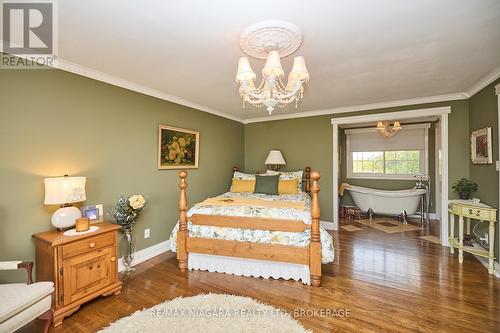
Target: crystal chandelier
[384,128]
[272,91]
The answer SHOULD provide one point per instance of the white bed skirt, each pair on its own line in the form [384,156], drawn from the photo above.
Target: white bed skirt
[249,267]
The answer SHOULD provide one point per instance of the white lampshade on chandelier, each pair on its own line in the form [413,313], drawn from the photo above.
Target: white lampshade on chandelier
[258,41]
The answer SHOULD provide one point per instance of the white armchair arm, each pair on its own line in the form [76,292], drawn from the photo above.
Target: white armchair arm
[27,265]
[5,265]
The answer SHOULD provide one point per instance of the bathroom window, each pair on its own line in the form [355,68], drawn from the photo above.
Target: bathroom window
[369,155]
[402,162]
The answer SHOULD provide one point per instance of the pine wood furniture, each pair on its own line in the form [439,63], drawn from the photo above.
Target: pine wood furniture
[467,210]
[81,267]
[310,256]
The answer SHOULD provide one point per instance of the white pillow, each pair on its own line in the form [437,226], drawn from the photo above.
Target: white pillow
[243,176]
[287,175]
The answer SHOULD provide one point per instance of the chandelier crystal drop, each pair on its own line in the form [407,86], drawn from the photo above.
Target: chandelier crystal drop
[384,128]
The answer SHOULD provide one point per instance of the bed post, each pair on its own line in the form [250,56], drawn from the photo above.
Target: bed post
[308,180]
[235,169]
[182,234]
[315,244]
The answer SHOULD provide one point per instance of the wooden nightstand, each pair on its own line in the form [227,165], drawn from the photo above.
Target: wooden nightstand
[81,267]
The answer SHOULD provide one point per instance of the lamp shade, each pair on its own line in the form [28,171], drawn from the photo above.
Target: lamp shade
[275,157]
[291,83]
[64,190]
[273,65]
[299,70]
[245,72]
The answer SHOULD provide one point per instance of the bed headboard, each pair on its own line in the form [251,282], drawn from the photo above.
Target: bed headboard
[306,178]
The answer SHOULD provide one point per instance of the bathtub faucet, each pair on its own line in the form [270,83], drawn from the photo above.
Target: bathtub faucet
[423,182]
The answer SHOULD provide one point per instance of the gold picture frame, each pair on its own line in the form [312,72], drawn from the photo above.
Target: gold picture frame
[178,148]
[481,146]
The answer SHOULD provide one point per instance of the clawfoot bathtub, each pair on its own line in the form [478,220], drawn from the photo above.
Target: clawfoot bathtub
[397,202]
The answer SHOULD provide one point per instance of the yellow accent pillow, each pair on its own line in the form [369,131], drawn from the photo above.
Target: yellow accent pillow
[243,185]
[288,186]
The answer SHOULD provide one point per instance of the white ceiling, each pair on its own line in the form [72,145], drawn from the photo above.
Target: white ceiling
[357,51]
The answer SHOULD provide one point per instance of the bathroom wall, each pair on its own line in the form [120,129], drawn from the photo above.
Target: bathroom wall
[385,184]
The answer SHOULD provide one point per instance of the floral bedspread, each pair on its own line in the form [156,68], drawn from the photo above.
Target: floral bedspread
[260,236]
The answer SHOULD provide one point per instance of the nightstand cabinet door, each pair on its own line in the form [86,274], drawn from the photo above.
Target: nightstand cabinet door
[88,273]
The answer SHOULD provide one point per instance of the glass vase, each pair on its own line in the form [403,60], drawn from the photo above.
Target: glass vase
[128,249]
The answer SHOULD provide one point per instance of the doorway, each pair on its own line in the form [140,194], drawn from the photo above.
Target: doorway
[441,151]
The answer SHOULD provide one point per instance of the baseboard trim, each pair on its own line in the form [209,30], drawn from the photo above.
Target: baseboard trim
[432,216]
[147,253]
[484,261]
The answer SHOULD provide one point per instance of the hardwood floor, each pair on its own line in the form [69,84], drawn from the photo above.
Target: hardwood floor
[389,283]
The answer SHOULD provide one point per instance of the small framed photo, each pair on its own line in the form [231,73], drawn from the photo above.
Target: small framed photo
[94,213]
[481,146]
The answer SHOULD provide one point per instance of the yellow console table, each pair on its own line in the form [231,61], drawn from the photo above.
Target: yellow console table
[467,210]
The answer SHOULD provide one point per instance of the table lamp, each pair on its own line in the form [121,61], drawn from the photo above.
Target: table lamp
[275,160]
[65,191]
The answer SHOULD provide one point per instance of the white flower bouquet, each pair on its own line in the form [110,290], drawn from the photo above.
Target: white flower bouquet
[128,209]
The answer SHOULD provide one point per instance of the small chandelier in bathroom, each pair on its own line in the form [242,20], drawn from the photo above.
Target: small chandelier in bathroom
[384,128]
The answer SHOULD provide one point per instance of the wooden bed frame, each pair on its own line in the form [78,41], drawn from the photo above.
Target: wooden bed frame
[310,256]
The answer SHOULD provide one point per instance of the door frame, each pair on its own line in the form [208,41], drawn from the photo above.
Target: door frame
[497,91]
[441,112]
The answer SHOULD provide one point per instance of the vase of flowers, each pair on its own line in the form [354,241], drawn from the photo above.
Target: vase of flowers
[126,212]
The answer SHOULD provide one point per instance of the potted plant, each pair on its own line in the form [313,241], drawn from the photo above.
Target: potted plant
[464,187]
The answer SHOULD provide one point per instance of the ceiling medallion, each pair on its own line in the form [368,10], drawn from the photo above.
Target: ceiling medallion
[271,40]
[260,38]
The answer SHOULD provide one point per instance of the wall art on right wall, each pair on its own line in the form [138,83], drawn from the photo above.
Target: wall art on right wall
[481,146]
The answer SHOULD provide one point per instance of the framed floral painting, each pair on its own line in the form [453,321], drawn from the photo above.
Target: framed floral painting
[178,148]
[481,146]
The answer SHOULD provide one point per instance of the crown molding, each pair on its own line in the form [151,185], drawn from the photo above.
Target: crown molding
[119,82]
[363,107]
[483,82]
[122,83]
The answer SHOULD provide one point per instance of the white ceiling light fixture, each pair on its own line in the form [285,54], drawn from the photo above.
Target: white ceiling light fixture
[271,40]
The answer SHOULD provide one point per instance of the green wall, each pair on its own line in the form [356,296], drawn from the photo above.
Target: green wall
[308,142]
[53,122]
[483,112]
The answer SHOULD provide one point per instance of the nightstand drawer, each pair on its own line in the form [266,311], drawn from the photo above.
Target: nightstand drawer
[88,244]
